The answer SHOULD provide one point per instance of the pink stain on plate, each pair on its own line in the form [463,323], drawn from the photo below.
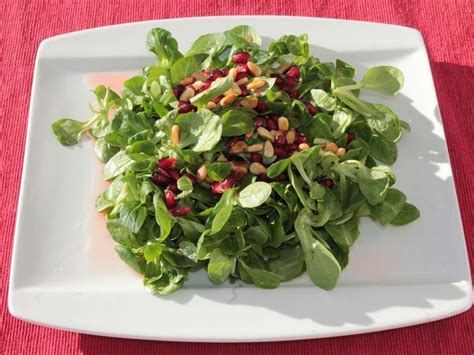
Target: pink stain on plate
[113,80]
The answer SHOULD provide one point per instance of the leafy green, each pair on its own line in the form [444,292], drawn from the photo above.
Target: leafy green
[163,44]
[255,194]
[216,89]
[384,79]
[236,123]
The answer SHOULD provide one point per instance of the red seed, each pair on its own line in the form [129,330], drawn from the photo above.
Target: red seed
[225,71]
[326,182]
[175,175]
[205,85]
[217,73]
[185,107]
[160,179]
[261,106]
[239,175]
[260,122]
[279,81]
[294,94]
[164,172]
[279,152]
[180,212]
[170,199]
[167,163]
[178,90]
[172,187]
[217,99]
[272,124]
[262,177]
[241,75]
[350,137]
[231,141]
[255,158]
[240,58]
[280,140]
[311,109]
[219,187]
[245,91]
[289,83]
[292,148]
[242,68]
[300,138]
[293,72]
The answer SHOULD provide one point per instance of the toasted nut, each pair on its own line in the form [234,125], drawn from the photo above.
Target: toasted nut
[254,148]
[197,84]
[303,146]
[187,94]
[249,134]
[201,173]
[340,152]
[256,84]
[233,73]
[211,105]
[274,133]
[283,123]
[227,100]
[242,81]
[263,132]
[234,90]
[186,81]
[175,133]
[221,158]
[257,168]
[290,136]
[199,75]
[283,67]
[268,150]
[238,147]
[251,102]
[239,167]
[330,147]
[254,69]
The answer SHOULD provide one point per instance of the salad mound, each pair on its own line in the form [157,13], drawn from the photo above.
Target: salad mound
[252,163]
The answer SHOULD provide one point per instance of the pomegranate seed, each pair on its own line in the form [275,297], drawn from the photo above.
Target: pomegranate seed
[175,175]
[240,58]
[178,90]
[217,99]
[180,212]
[167,163]
[279,81]
[242,69]
[282,177]
[245,91]
[207,72]
[172,187]
[217,73]
[160,179]
[293,72]
[261,106]
[260,122]
[241,75]
[225,71]
[220,187]
[272,125]
[170,199]
[292,148]
[290,83]
[326,182]
[350,137]
[280,140]
[294,94]
[185,107]
[279,152]
[301,138]
[262,177]
[311,109]
[231,141]
[255,158]
[164,172]
[205,85]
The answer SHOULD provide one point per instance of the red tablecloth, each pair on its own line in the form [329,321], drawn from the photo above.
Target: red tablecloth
[447,29]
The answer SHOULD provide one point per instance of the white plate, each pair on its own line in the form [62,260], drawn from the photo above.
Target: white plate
[65,273]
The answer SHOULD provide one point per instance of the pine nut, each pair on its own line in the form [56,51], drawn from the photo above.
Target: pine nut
[291,136]
[256,84]
[249,134]
[330,147]
[211,105]
[199,76]
[238,147]
[235,89]
[257,168]
[187,94]
[239,167]
[254,69]
[274,133]
[175,133]
[251,102]
[197,84]
[242,81]
[303,146]
[233,73]
[254,148]
[340,152]
[186,81]
[201,173]
[283,123]
[263,132]
[227,100]
[268,150]
[221,158]
[283,67]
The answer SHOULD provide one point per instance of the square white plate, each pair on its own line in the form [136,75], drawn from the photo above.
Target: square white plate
[65,273]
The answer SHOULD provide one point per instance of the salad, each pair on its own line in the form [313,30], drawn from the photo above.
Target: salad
[252,163]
